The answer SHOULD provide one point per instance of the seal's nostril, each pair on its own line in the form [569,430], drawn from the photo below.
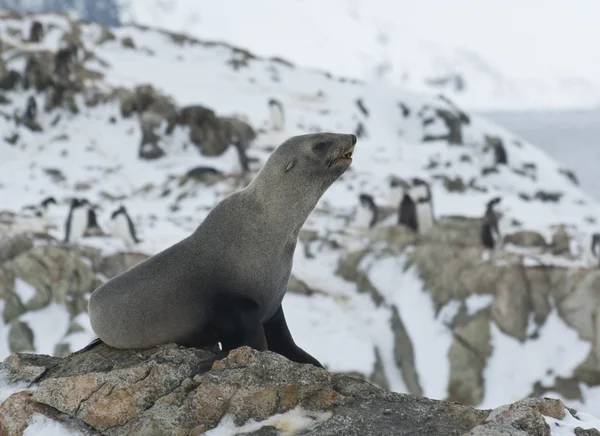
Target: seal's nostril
[353,139]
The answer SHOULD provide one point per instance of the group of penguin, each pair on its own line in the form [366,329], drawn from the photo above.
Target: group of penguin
[415,210]
[415,206]
[82,221]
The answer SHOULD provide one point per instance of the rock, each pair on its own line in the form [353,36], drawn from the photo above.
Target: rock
[404,354]
[27,368]
[579,431]
[580,301]
[378,377]
[526,238]
[115,264]
[10,80]
[7,282]
[177,390]
[20,337]
[144,98]
[512,304]
[546,406]
[521,417]
[182,391]
[17,411]
[560,244]
[468,356]
[55,270]
[37,73]
[456,229]
[454,124]
[495,430]
[105,35]
[13,307]
[12,246]
[127,42]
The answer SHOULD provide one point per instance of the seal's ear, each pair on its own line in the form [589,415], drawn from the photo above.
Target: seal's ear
[290,165]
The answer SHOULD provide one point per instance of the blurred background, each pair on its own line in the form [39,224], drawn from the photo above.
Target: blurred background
[149,112]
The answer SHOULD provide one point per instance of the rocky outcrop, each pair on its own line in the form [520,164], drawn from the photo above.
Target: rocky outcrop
[182,391]
[516,296]
[55,274]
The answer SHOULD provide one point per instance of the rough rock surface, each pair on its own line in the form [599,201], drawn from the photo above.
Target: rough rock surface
[181,391]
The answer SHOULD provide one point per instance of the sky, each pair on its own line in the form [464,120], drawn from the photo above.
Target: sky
[527,39]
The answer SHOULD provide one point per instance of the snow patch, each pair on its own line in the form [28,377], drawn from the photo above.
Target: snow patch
[40,425]
[288,423]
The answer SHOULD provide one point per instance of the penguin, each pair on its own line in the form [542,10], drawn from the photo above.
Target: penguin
[93,229]
[277,115]
[490,233]
[407,212]
[122,227]
[366,214]
[43,208]
[397,189]
[77,220]
[30,110]
[595,246]
[420,193]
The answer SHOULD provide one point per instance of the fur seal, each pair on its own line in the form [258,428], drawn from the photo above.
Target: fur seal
[226,281]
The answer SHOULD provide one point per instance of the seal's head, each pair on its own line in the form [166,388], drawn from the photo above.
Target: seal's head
[321,153]
[301,169]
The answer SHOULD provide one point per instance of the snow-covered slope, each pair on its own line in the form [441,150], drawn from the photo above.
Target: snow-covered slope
[94,153]
[484,55]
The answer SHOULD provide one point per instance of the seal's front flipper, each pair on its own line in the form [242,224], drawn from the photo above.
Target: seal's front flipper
[279,340]
[236,322]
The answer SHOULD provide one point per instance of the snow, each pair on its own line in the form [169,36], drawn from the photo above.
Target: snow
[7,388]
[24,290]
[514,367]
[405,290]
[567,425]
[506,61]
[339,325]
[40,425]
[288,423]
[56,316]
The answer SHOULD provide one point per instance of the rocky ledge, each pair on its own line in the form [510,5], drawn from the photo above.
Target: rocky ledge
[181,391]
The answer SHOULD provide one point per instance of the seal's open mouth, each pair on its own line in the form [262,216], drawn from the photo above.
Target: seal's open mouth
[346,157]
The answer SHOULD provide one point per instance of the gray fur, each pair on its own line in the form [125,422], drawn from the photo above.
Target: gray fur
[245,246]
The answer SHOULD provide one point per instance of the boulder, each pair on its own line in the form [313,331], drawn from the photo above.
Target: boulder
[182,391]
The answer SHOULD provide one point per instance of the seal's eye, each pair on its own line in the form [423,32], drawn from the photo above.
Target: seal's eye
[322,146]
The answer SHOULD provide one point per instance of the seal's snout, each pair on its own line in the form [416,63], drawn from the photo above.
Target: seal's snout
[353,139]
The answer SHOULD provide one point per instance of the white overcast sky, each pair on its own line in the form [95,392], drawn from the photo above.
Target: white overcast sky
[523,38]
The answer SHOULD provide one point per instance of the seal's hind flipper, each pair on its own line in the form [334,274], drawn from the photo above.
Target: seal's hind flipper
[91,345]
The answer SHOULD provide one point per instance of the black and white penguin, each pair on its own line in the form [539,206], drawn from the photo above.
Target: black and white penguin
[490,233]
[407,212]
[420,193]
[122,227]
[277,115]
[398,188]
[30,110]
[41,210]
[93,228]
[77,220]
[366,214]
[595,247]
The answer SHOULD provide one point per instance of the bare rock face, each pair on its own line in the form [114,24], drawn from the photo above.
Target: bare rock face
[182,391]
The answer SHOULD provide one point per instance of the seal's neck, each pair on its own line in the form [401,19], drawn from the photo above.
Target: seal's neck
[290,199]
